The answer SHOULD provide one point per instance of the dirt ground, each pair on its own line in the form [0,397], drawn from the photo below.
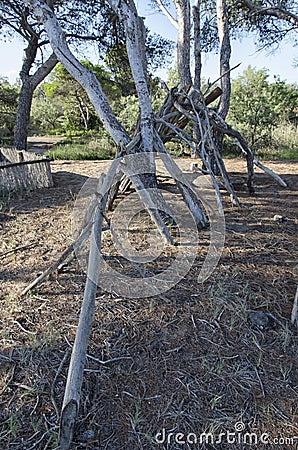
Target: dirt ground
[218,357]
[42,143]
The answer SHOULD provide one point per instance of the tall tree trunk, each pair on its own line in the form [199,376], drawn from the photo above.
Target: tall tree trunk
[26,94]
[196,13]
[23,114]
[183,45]
[224,62]
[195,152]
[135,45]
[225,55]
[29,84]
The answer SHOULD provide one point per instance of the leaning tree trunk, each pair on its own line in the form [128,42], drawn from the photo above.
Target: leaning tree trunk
[29,84]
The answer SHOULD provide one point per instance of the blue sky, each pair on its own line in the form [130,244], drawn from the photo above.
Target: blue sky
[280,62]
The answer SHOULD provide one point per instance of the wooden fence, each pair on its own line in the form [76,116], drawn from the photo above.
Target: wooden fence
[22,170]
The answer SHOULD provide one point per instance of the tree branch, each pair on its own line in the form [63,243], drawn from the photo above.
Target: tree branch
[167,13]
[273,11]
[44,70]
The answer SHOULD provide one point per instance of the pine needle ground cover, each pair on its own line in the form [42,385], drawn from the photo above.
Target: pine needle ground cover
[212,365]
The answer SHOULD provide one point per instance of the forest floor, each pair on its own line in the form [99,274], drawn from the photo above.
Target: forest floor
[43,143]
[218,357]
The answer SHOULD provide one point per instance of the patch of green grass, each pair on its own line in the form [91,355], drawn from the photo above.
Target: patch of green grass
[84,149]
[276,155]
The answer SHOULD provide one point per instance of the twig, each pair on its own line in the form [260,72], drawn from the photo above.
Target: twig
[177,131]
[270,172]
[9,380]
[42,437]
[59,370]
[100,361]
[17,249]
[6,358]
[219,78]
[23,329]
[260,381]
[50,269]
[204,156]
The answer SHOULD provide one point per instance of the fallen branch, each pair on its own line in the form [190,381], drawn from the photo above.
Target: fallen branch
[294,316]
[18,249]
[72,393]
[270,172]
[49,270]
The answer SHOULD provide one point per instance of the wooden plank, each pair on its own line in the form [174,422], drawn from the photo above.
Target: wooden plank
[23,171]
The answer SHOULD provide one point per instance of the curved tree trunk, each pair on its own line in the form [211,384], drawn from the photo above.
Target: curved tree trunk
[29,84]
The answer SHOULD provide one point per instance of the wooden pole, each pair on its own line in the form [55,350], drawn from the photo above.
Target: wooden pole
[294,317]
[72,393]
[184,186]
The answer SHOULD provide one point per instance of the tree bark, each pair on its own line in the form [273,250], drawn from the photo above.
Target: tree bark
[183,44]
[197,43]
[198,68]
[225,55]
[29,84]
[225,80]
[23,114]
[135,45]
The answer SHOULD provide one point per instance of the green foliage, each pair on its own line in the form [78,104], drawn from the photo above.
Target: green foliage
[173,76]
[267,29]
[8,108]
[87,147]
[63,105]
[47,114]
[127,111]
[117,61]
[158,55]
[257,106]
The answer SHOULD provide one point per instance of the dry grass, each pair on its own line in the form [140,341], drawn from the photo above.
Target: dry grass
[197,363]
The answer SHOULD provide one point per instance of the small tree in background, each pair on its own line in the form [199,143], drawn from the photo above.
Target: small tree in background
[257,106]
